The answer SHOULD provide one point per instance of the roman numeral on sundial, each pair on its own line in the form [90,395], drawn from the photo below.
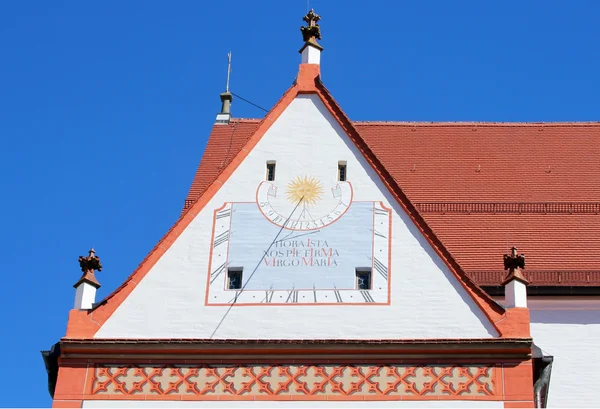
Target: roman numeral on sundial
[292,296]
[223,213]
[367,296]
[221,238]
[234,299]
[381,212]
[380,268]
[338,296]
[375,232]
[217,272]
[269,296]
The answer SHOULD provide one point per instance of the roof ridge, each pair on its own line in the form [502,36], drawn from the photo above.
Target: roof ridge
[470,123]
[245,120]
[455,123]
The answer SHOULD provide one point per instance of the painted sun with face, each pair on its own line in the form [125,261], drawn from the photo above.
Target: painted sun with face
[307,189]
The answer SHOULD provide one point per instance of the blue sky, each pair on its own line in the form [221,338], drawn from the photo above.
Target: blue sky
[105,108]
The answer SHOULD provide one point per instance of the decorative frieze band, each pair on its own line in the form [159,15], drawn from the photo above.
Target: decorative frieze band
[364,382]
[510,208]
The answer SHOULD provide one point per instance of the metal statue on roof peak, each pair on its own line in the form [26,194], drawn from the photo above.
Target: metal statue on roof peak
[312,29]
[514,261]
[90,263]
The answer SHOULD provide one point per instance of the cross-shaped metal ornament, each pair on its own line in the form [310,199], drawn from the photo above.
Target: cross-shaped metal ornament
[312,29]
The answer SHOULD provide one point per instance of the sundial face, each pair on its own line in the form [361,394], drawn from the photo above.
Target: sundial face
[301,241]
[304,204]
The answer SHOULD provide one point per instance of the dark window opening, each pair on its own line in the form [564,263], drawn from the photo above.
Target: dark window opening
[342,171]
[270,171]
[363,278]
[234,278]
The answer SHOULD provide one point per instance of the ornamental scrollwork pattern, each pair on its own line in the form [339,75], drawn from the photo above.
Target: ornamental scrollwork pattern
[295,381]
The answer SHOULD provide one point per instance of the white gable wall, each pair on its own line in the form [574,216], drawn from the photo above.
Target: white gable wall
[569,330]
[426,300]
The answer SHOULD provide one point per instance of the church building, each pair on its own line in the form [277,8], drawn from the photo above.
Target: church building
[324,262]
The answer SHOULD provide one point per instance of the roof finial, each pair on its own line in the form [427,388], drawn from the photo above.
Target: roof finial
[311,50]
[224,116]
[312,30]
[90,263]
[514,262]
[86,286]
[228,71]
[515,282]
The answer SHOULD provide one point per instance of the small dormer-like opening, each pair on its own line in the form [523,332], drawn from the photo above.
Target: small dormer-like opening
[342,171]
[363,278]
[270,170]
[234,278]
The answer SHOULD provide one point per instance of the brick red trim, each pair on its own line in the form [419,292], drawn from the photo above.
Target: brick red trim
[509,208]
[67,403]
[540,278]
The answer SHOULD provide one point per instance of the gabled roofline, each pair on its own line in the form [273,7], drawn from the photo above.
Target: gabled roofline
[85,324]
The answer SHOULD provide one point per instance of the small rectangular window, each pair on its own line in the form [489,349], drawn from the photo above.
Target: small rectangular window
[342,171]
[363,278]
[234,278]
[271,170]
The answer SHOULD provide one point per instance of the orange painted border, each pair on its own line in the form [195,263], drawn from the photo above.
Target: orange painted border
[518,381]
[84,324]
[389,209]
[72,384]
[212,239]
[67,403]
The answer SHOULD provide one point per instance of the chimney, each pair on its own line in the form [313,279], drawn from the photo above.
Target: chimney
[311,50]
[224,116]
[515,284]
[86,286]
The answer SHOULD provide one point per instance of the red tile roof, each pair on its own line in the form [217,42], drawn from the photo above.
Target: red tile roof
[490,162]
[478,185]
[224,143]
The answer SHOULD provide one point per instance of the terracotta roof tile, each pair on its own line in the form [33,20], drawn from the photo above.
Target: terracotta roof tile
[556,165]
[465,162]
[224,143]
[549,242]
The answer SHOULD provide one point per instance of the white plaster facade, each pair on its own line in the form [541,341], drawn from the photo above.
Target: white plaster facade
[427,301]
[569,330]
[292,404]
